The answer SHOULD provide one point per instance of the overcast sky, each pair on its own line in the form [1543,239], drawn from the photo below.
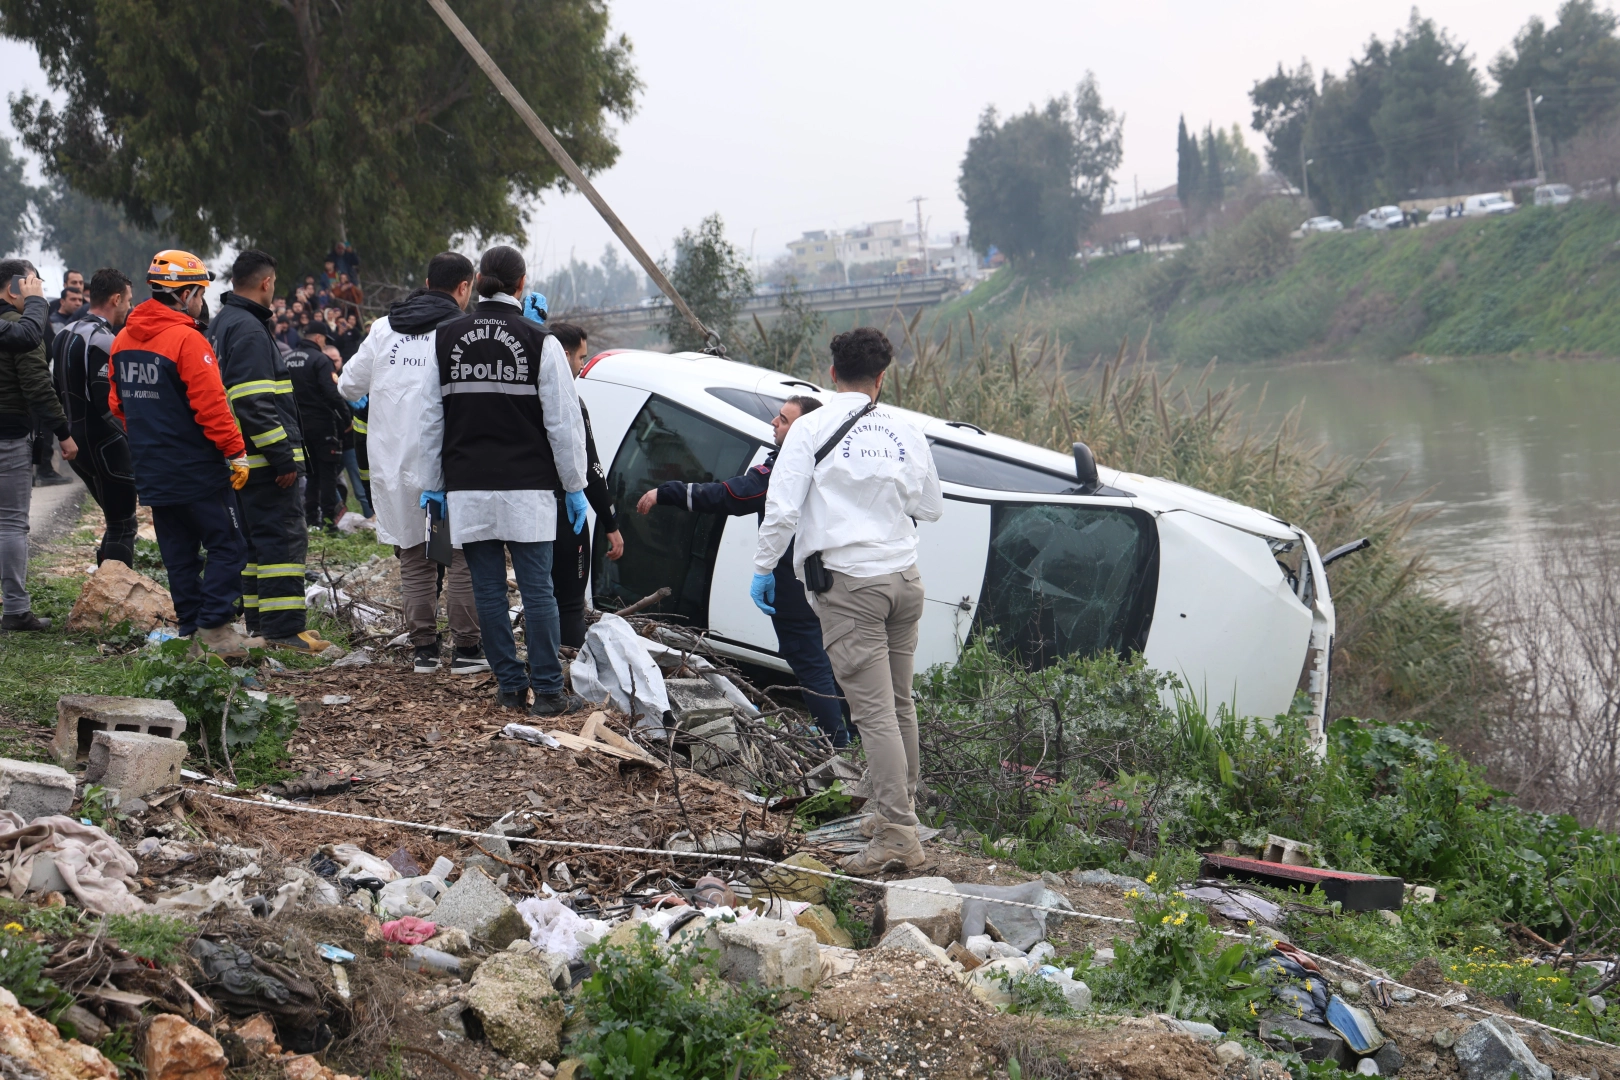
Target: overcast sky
[841,113]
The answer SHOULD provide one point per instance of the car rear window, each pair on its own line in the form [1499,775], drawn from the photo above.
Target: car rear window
[756,405]
[959,465]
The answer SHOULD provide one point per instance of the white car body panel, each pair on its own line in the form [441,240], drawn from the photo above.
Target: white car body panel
[1247,634]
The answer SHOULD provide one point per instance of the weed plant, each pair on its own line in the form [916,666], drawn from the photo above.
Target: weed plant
[222,714]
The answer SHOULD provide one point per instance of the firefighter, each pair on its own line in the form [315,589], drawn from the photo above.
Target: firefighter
[187,450]
[323,417]
[261,396]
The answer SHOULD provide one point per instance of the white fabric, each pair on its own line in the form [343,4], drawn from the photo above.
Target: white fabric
[526,517]
[861,505]
[92,864]
[614,666]
[401,373]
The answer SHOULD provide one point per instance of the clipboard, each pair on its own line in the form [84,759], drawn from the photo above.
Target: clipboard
[438,535]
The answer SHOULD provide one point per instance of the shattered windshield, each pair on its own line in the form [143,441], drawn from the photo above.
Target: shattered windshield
[1062,580]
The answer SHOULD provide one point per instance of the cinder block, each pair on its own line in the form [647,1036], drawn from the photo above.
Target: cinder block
[133,762]
[33,789]
[940,917]
[694,701]
[771,954]
[80,716]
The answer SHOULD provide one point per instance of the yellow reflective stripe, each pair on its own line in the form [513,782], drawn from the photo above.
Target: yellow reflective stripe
[365,476]
[359,426]
[251,568]
[284,386]
[281,603]
[285,569]
[269,438]
[251,387]
[256,461]
[249,601]
[298,453]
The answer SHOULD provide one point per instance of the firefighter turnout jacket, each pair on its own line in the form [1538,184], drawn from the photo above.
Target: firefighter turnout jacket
[259,388]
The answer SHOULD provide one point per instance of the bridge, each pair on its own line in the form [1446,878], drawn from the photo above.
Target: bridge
[907,294]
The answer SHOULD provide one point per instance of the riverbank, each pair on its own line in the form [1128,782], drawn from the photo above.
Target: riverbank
[1539,282]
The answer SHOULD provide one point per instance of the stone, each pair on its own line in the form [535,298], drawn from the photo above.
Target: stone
[32,789]
[512,996]
[31,1047]
[1313,1042]
[1444,1037]
[940,917]
[716,743]
[1196,1028]
[990,983]
[1040,953]
[820,921]
[1389,1058]
[791,885]
[1367,1067]
[452,940]
[770,953]
[80,716]
[1000,950]
[133,762]
[115,594]
[555,964]
[908,937]
[1121,882]
[1076,993]
[568,1068]
[836,961]
[1492,1050]
[175,1050]
[1019,926]
[259,1034]
[475,904]
[1231,1053]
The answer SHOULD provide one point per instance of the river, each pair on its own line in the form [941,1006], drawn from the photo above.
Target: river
[1505,449]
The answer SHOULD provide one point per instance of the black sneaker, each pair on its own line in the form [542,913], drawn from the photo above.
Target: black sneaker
[45,476]
[516,699]
[25,621]
[468,660]
[557,704]
[427,659]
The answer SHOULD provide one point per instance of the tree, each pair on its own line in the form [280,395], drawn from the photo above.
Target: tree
[1574,68]
[286,124]
[1428,112]
[1348,173]
[1030,184]
[1282,107]
[89,234]
[1189,171]
[1214,171]
[712,277]
[16,197]
[610,283]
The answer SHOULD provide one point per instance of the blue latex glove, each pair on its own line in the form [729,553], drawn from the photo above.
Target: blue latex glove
[362,403]
[576,510]
[435,497]
[535,308]
[763,590]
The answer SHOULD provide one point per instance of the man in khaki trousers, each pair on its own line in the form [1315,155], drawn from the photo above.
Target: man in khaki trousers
[851,482]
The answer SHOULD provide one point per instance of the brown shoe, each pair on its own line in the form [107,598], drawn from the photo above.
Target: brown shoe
[871,823]
[222,640]
[894,849]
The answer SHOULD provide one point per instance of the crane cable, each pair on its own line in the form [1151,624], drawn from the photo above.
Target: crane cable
[570,169]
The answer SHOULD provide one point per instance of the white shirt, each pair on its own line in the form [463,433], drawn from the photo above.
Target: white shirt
[860,506]
[526,516]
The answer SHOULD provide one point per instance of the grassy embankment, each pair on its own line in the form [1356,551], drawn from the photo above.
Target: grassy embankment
[1541,281]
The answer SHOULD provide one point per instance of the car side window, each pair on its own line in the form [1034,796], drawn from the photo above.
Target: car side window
[1069,579]
[670,546]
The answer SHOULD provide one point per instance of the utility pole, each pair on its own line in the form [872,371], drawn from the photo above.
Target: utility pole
[1535,139]
[922,238]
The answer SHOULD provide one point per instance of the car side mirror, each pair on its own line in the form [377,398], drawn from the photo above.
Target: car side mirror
[1085,470]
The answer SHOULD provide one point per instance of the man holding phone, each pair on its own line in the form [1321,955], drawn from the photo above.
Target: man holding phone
[25,392]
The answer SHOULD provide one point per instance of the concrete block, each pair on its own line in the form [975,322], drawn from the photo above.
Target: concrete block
[940,917]
[770,953]
[133,762]
[1492,1050]
[695,701]
[1280,849]
[80,716]
[477,905]
[33,789]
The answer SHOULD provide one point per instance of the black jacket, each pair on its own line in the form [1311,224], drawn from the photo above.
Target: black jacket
[258,387]
[22,334]
[79,361]
[423,310]
[323,415]
[596,487]
[26,393]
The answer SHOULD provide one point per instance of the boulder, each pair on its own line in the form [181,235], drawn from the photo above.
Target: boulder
[134,763]
[1389,1058]
[938,916]
[477,905]
[31,789]
[522,1013]
[1231,1053]
[770,953]
[116,594]
[175,1050]
[794,884]
[31,1047]
[1491,1050]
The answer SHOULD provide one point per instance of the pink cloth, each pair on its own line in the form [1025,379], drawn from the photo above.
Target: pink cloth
[91,862]
[408,930]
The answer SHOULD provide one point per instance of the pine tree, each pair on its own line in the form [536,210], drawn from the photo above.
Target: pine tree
[1189,170]
[1214,172]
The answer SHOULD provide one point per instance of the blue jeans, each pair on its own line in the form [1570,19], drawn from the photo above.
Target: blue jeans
[531,564]
[799,641]
[351,465]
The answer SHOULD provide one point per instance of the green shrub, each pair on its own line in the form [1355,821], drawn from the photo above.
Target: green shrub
[22,963]
[200,684]
[151,937]
[658,1016]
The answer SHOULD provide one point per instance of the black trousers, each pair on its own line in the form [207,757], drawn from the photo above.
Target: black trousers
[106,470]
[204,587]
[273,582]
[321,501]
[570,570]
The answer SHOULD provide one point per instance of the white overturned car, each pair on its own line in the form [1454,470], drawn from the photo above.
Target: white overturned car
[1058,555]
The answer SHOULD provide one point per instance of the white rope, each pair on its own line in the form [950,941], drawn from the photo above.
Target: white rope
[795,869]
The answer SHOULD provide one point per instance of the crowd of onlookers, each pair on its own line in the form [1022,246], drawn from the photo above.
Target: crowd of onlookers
[332,299]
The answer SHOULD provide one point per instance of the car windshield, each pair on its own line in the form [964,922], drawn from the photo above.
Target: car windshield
[1067,580]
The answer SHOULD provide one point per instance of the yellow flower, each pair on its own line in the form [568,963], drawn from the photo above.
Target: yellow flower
[14,928]
[1164,920]
[1151,878]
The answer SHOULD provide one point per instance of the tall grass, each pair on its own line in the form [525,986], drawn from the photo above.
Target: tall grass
[1401,652]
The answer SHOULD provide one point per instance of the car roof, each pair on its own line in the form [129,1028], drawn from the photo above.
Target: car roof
[687,377]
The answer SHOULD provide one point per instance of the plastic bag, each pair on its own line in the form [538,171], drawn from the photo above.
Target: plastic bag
[613,666]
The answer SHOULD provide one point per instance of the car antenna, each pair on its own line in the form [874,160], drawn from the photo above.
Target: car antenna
[576,176]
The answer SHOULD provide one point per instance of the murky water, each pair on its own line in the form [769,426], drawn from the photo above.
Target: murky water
[1505,449]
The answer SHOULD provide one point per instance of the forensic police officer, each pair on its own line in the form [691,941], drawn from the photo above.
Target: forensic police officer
[850,484]
[798,631]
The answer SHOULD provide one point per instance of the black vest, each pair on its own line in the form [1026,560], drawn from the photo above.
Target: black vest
[494,429]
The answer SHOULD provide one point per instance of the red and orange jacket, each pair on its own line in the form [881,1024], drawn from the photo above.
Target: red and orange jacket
[166,388]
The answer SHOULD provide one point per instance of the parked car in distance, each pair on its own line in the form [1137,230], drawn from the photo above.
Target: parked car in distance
[1486,205]
[1322,224]
[1131,244]
[1441,213]
[1383,217]
[1554,194]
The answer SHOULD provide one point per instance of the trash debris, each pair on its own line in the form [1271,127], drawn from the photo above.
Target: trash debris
[92,866]
[1239,905]
[311,785]
[1356,892]
[1020,927]
[613,666]
[358,658]
[337,602]
[1355,1026]
[116,594]
[425,957]
[408,930]
[531,735]
[336,699]
[334,955]
[246,984]
[710,891]
[554,927]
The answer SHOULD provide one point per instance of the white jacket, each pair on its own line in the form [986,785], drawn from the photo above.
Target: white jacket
[860,506]
[401,373]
